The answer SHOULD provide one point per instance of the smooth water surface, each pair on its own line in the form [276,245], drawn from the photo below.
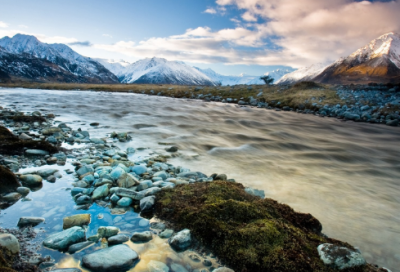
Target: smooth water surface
[346,174]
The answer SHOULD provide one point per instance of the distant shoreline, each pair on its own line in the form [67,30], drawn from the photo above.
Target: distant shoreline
[377,104]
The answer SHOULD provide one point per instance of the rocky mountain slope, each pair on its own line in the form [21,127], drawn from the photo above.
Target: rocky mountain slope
[24,57]
[378,61]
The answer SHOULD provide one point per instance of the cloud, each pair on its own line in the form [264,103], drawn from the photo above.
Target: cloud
[3,25]
[23,26]
[40,37]
[211,11]
[107,35]
[84,43]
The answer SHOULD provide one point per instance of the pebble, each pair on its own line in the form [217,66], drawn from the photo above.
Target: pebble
[9,242]
[62,240]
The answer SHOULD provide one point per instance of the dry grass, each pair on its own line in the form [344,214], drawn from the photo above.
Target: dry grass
[291,96]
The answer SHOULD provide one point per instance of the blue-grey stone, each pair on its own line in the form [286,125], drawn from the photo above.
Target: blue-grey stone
[139,169]
[125,202]
[181,241]
[84,170]
[114,198]
[156,266]
[62,240]
[117,173]
[255,192]
[161,174]
[100,192]
[144,185]
[147,203]
[141,236]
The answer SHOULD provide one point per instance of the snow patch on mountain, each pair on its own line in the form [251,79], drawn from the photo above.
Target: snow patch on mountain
[303,74]
[117,67]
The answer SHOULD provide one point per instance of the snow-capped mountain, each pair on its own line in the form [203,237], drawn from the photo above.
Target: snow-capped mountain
[302,74]
[378,61]
[242,78]
[76,68]
[160,71]
[117,67]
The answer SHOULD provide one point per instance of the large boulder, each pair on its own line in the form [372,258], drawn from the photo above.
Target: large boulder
[339,257]
[62,240]
[181,241]
[10,242]
[8,181]
[116,258]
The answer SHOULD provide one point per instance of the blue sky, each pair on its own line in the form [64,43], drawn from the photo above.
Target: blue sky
[229,36]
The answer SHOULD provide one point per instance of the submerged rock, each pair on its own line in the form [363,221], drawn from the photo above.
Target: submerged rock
[116,258]
[31,180]
[223,269]
[181,241]
[340,257]
[62,240]
[118,239]
[36,152]
[30,221]
[156,266]
[79,246]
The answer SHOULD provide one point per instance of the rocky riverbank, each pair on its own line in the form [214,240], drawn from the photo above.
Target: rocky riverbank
[372,103]
[106,176]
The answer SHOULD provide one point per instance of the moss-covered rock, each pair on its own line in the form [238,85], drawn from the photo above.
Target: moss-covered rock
[247,233]
[11,144]
[8,181]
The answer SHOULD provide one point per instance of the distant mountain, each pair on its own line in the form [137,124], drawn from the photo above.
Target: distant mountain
[50,62]
[302,74]
[242,78]
[378,61]
[158,71]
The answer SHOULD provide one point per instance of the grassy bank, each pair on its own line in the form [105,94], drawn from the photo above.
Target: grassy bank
[294,96]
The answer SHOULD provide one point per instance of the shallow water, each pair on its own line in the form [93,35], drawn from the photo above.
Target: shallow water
[346,174]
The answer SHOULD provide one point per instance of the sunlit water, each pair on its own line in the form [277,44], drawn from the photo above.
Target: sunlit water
[346,174]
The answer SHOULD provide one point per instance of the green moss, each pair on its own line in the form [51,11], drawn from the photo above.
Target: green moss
[11,144]
[247,233]
[8,181]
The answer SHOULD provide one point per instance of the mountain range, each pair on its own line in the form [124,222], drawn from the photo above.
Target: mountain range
[378,61]
[25,58]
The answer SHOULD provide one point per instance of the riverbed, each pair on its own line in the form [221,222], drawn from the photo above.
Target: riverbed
[346,174]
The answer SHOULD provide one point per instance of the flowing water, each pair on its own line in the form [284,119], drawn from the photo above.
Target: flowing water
[346,174]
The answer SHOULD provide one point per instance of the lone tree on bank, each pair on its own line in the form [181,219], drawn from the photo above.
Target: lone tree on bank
[267,79]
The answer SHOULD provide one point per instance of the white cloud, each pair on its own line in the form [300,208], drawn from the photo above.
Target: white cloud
[23,26]
[211,11]
[41,37]
[107,35]
[3,25]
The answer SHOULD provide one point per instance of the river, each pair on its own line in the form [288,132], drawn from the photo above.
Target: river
[346,174]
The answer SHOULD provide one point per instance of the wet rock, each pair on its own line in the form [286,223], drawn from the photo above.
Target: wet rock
[351,116]
[122,192]
[116,258]
[84,170]
[144,185]
[151,191]
[97,140]
[117,173]
[130,150]
[44,173]
[11,197]
[178,268]
[127,181]
[100,192]
[223,269]
[114,198]
[141,236]
[51,179]
[83,199]
[221,177]
[23,190]
[166,234]
[107,232]
[340,257]
[393,123]
[192,175]
[31,180]
[139,169]
[79,246]
[77,220]
[36,152]
[118,239]
[255,192]
[157,225]
[51,131]
[156,266]
[9,242]
[23,136]
[30,221]
[125,202]
[161,174]
[172,149]
[147,203]
[181,241]
[95,124]
[64,239]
